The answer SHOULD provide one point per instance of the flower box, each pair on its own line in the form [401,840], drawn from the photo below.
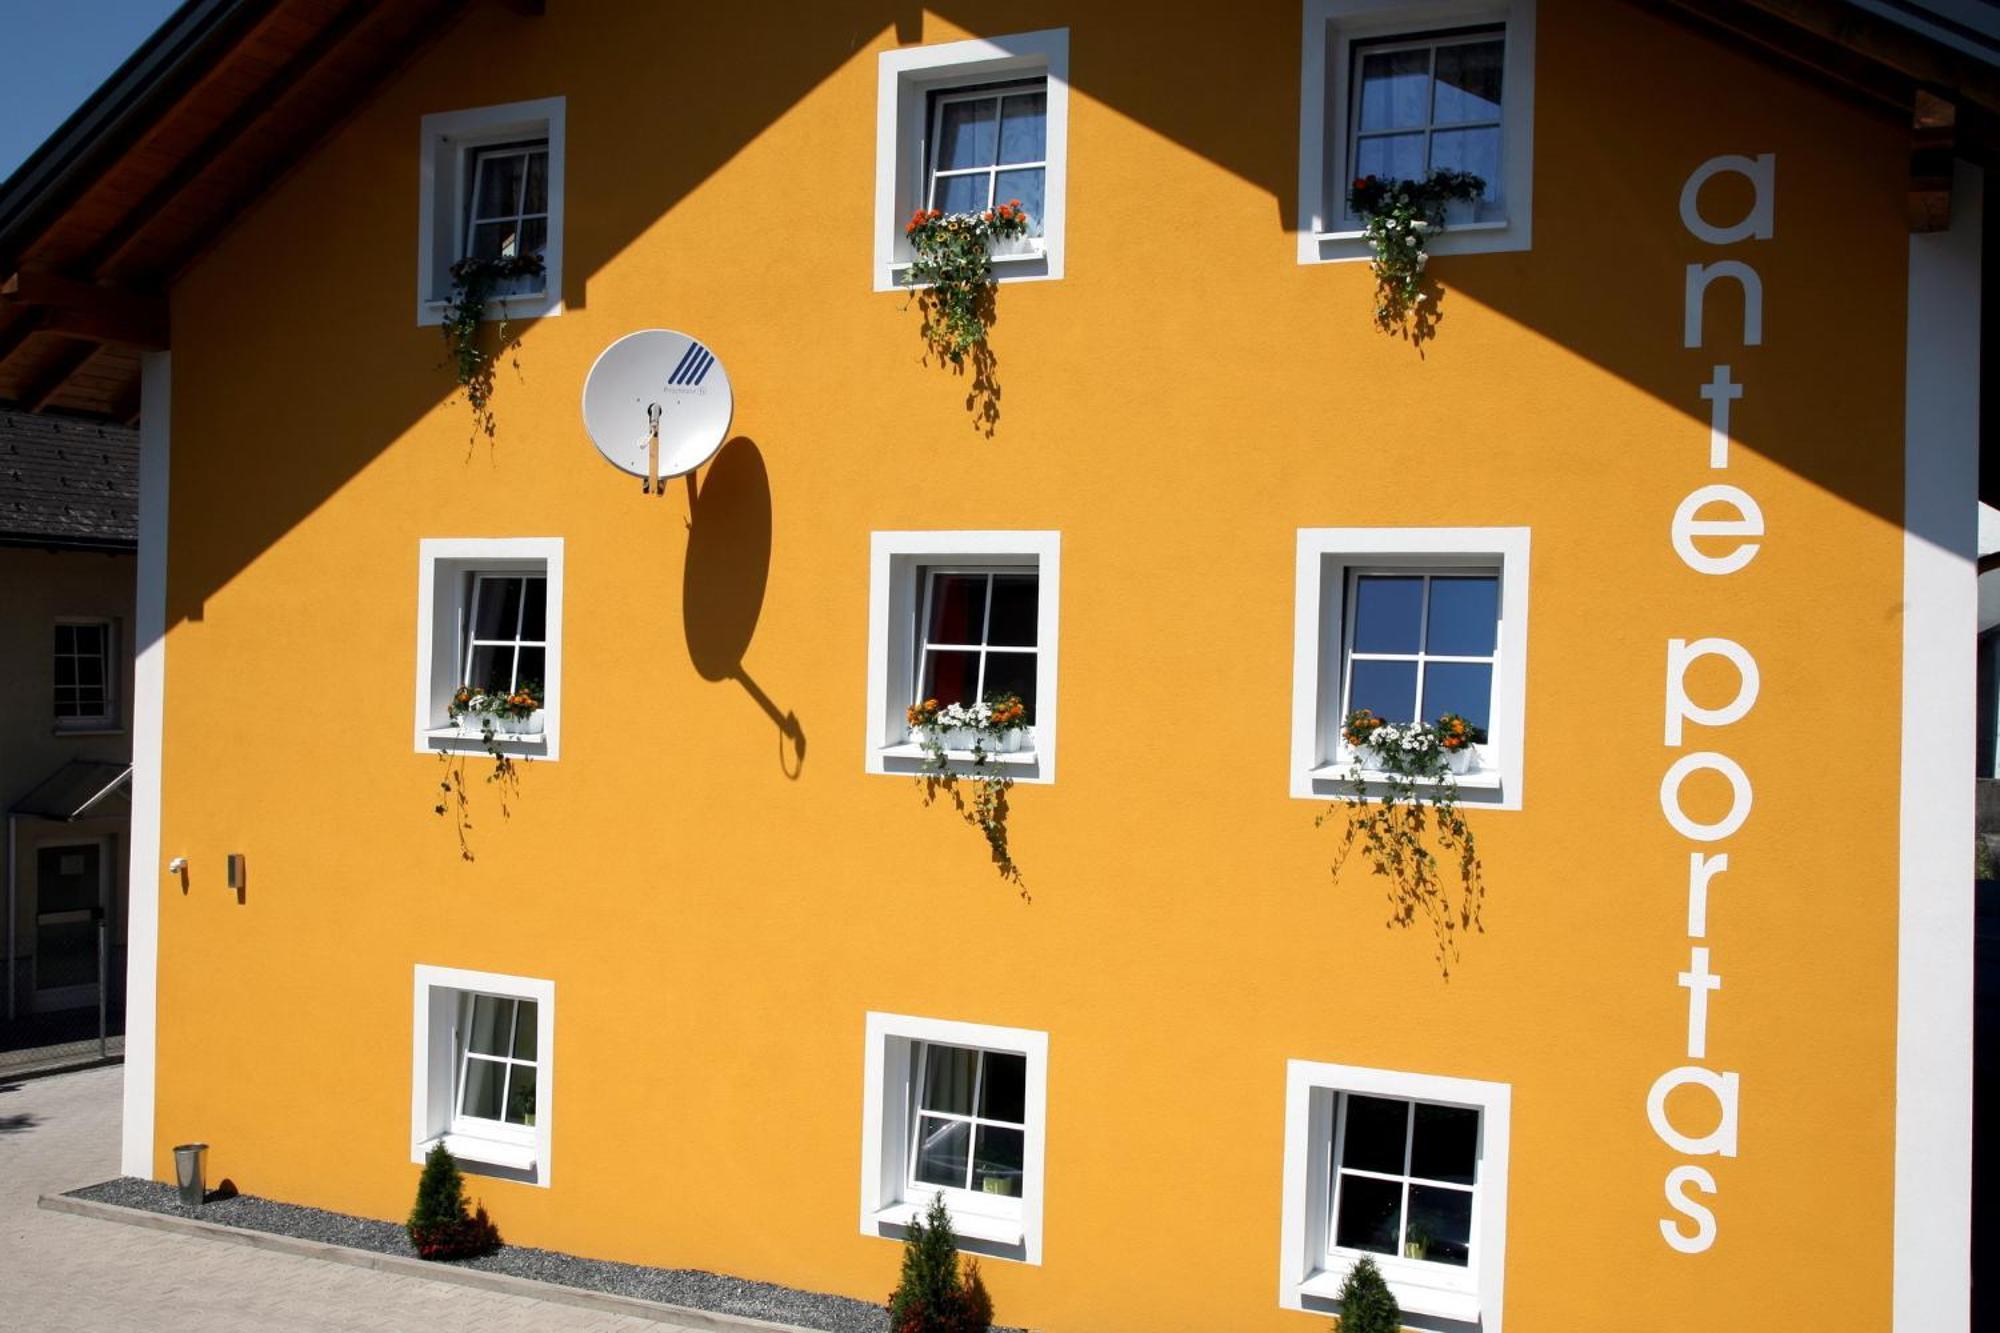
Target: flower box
[475,724]
[1010,741]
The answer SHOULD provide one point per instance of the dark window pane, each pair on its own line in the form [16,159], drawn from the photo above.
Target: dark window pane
[1003,1092]
[1012,673]
[521,1096]
[949,1073]
[1476,151]
[951,677]
[963,194]
[1468,83]
[491,240]
[90,672]
[492,669]
[525,1020]
[1441,1224]
[499,185]
[1464,615]
[537,197]
[498,610]
[942,1151]
[1024,134]
[1389,689]
[535,615]
[532,670]
[1370,1214]
[1395,87]
[966,134]
[65,673]
[534,241]
[1465,688]
[1388,613]
[66,638]
[484,1085]
[492,1025]
[958,608]
[1015,600]
[1374,1134]
[1446,1146]
[996,1165]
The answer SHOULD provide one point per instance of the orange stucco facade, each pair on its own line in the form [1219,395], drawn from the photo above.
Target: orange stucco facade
[719,911]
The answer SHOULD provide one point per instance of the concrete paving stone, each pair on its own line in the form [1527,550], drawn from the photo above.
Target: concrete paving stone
[61,1274]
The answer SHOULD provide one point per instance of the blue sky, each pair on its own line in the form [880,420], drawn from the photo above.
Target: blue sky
[58,52]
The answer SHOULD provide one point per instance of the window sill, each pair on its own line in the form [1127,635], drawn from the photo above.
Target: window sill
[506,741]
[1485,779]
[520,305]
[958,758]
[106,730]
[997,1230]
[489,1152]
[1487,236]
[1414,1295]
[1021,266]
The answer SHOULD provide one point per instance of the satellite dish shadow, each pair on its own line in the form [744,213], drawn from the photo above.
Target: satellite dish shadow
[722,591]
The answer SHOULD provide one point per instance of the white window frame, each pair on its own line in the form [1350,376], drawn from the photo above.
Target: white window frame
[1311,1271]
[519,1152]
[109,720]
[1326,233]
[446,570]
[906,78]
[993,1225]
[897,563]
[1327,558]
[448,142]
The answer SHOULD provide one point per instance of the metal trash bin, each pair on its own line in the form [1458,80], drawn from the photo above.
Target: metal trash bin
[190,1172]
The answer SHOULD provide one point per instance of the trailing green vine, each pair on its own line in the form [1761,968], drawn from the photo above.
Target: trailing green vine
[473,284]
[953,272]
[978,732]
[1400,217]
[492,715]
[1404,798]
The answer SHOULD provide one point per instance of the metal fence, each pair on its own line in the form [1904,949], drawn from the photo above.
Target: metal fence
[62,1038]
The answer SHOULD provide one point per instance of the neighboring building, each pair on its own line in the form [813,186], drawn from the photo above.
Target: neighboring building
[1676,507]
[69,495]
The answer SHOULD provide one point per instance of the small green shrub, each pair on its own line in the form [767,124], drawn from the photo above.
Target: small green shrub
[933,1296]
[1365,1303]
[439,1226]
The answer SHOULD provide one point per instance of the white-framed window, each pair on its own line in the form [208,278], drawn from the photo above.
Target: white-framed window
[1411,624]
[491,186]
[1395,88]
[962,617]
[489,615]
[969,125]
[482,1070]
[956,1110]
[1407,1169]
[86,673]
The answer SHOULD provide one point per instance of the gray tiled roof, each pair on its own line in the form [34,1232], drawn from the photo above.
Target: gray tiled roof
[65,482]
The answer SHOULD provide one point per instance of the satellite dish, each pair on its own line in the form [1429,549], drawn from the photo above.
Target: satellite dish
[657,404]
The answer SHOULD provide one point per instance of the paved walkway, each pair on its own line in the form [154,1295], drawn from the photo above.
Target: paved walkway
[59,1274]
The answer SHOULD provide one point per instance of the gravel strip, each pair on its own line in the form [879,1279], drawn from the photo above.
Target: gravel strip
[674,1286]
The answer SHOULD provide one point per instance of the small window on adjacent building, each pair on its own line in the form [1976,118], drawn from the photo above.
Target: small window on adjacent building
[1409,1170]
[85,676]
[963,618]
[482,1081]
[1412,625]
[489,629]
[955,1110]
[967,126]
[492,189]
